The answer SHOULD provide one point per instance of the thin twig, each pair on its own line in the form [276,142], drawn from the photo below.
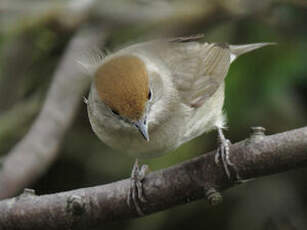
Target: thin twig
[38,149]
[195,179]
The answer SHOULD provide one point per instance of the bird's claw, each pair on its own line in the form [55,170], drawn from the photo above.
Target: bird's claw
[222,155]
[136,194]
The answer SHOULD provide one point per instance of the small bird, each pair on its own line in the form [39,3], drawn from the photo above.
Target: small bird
[149,98]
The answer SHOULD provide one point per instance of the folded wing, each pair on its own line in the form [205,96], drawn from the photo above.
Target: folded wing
[199,69]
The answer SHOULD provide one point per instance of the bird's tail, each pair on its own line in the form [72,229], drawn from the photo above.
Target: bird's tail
[238,50]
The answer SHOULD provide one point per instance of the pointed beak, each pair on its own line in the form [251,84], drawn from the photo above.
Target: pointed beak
[141,125]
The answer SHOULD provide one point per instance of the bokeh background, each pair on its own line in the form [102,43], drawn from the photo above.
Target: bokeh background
[267,87]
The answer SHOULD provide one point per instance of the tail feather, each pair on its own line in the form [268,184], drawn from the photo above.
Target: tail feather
[237,50]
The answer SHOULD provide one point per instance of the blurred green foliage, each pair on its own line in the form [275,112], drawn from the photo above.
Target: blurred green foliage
[267,87]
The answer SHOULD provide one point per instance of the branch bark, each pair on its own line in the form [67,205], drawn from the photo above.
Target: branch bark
[256,156]
[38,149]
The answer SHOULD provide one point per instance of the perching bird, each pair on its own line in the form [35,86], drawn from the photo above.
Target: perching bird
[150,98]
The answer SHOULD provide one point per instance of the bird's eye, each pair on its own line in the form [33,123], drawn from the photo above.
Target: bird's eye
[115,112]
[149,95]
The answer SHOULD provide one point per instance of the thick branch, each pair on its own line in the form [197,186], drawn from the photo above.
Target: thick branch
[37,150]
[83,208]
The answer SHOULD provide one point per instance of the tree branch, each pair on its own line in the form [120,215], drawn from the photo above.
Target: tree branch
[256,156]
[37,150]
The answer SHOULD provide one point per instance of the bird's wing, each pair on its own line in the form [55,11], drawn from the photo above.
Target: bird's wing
[198,69]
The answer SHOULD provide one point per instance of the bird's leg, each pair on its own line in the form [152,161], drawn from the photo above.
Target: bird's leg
[222,155]
[136,194]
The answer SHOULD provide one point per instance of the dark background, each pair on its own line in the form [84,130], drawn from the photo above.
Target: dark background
[267,87]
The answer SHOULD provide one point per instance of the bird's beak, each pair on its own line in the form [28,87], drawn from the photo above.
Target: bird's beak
[141,125]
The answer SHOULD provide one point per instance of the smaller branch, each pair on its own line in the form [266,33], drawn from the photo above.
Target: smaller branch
[11,121]
[38,149]
[191,180]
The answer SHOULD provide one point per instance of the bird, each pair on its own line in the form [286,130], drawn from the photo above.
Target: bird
[149,98]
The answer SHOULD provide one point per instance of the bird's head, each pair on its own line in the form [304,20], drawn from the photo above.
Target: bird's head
[122,84]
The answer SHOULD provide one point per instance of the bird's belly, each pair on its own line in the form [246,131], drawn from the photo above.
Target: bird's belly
[162,140]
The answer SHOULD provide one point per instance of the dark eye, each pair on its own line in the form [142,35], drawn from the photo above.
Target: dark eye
[149,95]
[114,112]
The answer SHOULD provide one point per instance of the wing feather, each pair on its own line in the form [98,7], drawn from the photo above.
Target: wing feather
[198,69]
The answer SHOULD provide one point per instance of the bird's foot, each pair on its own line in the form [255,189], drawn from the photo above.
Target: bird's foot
[222,155]
[136,194]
